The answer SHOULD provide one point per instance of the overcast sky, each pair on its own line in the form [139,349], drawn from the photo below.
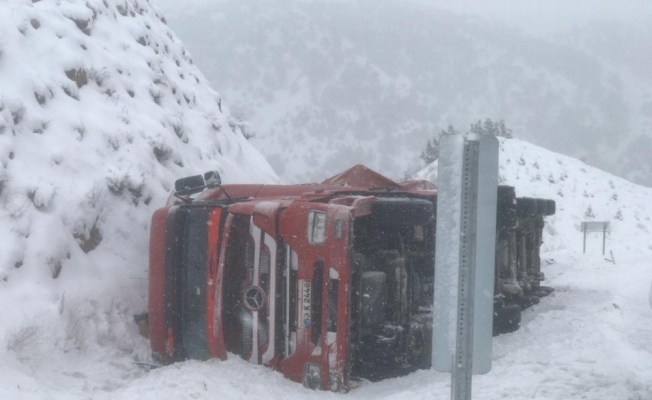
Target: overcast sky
[569,75]
[537,16]
[540,16]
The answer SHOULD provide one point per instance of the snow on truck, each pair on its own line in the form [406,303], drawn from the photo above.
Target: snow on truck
[326,283]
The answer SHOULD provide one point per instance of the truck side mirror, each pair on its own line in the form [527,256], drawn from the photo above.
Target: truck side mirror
[189,185]
[212,179]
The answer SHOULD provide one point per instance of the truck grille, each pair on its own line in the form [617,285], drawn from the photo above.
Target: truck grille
[264,263]
[247,335]
[262,334]
[250,252]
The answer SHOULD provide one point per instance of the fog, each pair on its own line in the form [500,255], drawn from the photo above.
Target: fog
[328,84]
[545,17]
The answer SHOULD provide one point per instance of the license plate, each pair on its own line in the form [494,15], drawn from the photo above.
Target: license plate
[306,299]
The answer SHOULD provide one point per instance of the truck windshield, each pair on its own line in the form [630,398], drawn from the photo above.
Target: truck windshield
[238,254]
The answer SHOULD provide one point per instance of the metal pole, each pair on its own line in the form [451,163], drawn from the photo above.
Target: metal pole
[604,236]
[463,361]
[584,229]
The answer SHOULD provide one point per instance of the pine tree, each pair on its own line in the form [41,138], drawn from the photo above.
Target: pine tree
[431,152]
[503,131]
[489,127]
[589,213]
[477,128]
[449,131]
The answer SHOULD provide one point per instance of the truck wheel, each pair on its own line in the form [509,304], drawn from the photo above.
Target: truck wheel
[526,207]
[404,213]
[507,318]
[507,218]
[506,195]
[542,207]
[551,207]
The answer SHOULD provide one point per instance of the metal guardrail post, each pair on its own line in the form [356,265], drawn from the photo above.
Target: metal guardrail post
[604,237]
[596,226]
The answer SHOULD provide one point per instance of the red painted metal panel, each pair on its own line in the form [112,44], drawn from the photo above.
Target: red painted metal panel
[214,283]
[362,177]
[157,282]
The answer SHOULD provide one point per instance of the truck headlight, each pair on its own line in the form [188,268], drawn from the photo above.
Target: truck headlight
[316,227]
[312,376]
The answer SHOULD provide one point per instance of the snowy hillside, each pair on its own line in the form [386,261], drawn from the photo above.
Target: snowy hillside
[328,84]
[582,193]
[589,340]
[101,109]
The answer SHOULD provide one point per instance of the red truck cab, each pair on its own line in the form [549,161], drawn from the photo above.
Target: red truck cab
[322,282]
[326,282]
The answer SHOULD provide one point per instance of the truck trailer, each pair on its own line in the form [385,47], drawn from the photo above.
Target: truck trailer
[328,283]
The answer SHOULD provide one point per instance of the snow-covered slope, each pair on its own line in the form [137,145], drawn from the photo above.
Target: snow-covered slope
[582,193]
[101,109]
[590,339]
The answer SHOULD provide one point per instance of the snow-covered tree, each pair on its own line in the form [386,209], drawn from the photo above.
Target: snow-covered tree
[431,152]
[490,127]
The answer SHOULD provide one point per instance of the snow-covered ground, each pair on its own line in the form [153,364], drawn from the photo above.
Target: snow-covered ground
[591,339]
[101,110]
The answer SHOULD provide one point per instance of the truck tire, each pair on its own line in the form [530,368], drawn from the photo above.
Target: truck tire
[507,318]
[526,207]
[551,207]
[506,218]
[403,212]
[542,207]
[506,195]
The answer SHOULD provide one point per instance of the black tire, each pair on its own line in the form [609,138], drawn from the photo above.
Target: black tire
[507,218]
[403,212]
[542,207]
[506,195]
[551,207]
[526,207]
[507,318]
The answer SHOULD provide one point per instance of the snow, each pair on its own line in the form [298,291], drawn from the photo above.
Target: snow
[84,164]
[582,193]
[332,83]
[447,276]
[101,110]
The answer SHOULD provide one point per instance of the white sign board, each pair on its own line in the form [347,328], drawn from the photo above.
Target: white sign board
[465,255]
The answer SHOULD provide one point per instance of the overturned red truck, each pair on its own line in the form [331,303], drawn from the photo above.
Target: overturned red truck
[326,283]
